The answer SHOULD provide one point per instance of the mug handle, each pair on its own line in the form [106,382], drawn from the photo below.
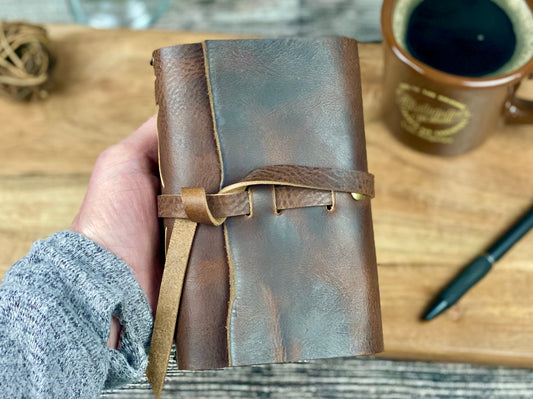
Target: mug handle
[518,110]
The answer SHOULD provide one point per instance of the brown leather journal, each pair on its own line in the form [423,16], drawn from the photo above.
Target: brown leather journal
[266,204]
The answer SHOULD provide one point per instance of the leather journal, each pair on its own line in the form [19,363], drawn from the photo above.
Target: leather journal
[265,203]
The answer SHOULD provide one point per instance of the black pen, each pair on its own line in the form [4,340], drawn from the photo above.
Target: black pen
[479,267]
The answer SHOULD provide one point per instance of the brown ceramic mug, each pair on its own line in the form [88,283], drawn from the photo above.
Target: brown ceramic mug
[443,113]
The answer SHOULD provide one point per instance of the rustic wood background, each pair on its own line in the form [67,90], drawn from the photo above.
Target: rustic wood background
[352,18]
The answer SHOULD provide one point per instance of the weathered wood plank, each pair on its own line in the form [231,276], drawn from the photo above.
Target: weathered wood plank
[342,378]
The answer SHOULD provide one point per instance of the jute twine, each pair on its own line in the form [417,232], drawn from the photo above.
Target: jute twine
[25,61]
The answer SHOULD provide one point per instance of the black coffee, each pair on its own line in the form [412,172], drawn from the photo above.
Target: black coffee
[461,37]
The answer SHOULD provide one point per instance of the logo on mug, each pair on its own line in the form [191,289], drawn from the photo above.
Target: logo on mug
[429,115]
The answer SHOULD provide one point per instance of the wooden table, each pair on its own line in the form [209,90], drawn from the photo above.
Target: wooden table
[431,215]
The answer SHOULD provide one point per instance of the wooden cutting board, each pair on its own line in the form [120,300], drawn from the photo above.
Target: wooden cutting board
[431,215]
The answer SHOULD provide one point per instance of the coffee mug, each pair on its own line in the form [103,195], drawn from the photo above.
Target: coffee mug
[452,68]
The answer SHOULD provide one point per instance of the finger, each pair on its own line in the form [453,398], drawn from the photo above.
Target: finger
[144,140]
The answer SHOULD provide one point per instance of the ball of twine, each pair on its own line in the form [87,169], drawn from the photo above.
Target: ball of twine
[25,61]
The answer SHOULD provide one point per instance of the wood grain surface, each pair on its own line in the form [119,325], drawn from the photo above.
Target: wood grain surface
[352,378]
[431,215]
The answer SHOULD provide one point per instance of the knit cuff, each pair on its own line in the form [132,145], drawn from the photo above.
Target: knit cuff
[105,286]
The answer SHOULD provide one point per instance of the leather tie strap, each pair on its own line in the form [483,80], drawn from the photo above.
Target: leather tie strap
[295,187]
[331,179]
[177,258]
[195,206]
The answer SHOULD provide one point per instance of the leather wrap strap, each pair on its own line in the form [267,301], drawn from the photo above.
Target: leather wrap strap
[299,186]
[177,258]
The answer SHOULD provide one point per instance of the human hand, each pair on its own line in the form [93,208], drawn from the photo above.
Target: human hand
[119,211]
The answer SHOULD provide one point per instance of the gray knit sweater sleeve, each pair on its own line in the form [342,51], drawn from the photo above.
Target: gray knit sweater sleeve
[55,310]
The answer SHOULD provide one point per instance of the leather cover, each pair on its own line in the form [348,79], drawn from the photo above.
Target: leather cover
[271,286]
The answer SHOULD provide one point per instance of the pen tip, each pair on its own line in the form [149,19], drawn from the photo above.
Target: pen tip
[436,309]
